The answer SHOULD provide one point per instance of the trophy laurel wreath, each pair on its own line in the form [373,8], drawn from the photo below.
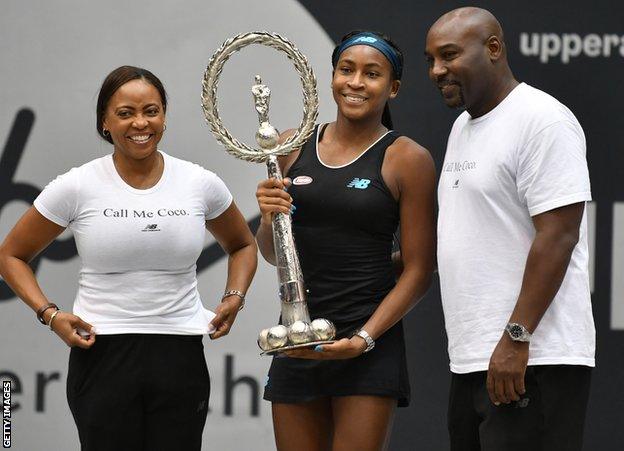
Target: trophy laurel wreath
[296,330]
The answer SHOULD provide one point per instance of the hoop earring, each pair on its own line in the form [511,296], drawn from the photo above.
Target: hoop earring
[105,132]
[164,127]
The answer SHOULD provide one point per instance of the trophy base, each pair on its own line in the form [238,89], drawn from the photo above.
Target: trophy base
[299,346]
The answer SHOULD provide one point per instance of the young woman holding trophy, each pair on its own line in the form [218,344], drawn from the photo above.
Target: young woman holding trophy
[348,189]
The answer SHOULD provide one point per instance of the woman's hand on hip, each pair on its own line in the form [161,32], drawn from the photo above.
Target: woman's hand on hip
[73,330]
[225,316]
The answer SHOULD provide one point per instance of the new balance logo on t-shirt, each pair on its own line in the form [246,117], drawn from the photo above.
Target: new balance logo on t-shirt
[359,183]
[151,228]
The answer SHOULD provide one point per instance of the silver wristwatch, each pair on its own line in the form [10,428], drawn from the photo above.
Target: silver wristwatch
[370,343]
[517,332]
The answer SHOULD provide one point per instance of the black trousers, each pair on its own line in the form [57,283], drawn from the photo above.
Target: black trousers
[549,417]
[139,392]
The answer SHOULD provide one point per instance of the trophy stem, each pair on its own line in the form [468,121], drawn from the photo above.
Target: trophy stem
[289,275]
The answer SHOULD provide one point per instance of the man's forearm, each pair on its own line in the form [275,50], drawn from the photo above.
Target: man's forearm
[544,272]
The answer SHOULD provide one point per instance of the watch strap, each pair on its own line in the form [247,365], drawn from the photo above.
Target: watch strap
[517,332]
[370,343]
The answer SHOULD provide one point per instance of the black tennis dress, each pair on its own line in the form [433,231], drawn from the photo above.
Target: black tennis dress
[343,222]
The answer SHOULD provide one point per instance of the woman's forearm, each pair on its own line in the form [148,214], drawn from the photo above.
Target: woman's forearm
[242,265]
[410,288]
[20,277]
[264,237]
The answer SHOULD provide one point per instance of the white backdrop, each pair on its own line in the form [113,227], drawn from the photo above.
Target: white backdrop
[53,58]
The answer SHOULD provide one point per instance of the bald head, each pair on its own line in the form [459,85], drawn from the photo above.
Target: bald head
[469,23]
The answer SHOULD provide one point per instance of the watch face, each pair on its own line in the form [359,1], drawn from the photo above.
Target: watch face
[515,331]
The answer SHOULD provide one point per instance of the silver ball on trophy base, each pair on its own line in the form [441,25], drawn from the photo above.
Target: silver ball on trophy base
[299,332]
[277,337]
[323,329]
[263,340]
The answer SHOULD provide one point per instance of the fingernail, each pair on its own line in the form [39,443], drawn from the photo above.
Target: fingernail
[318,348]
[497,403]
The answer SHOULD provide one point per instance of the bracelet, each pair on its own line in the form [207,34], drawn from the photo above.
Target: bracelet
[238,293]
[42,310]
[52,319]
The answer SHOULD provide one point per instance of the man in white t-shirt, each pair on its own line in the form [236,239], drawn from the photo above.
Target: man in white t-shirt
[512,248]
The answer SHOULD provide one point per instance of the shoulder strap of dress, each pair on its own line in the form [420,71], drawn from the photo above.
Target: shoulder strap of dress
[321,132]
[379,151]
[304,155]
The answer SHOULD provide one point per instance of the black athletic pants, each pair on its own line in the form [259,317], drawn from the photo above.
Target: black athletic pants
[549,417]
[139,392]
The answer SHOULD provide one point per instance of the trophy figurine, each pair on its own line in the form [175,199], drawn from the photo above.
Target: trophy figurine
[296,329]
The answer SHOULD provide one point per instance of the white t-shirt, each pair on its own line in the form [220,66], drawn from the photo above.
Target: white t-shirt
[523,158]
[138,247]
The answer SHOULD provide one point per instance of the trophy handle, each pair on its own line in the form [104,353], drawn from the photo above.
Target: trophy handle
[291,288]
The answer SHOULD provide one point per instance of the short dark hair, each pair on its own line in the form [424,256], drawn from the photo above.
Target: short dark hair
[114,81]
[386,118]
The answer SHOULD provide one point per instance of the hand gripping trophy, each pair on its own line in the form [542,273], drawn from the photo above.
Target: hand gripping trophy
[296,329]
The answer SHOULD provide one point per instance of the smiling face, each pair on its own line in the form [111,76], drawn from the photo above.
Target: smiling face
[459,63]
[363,82]
[135,118]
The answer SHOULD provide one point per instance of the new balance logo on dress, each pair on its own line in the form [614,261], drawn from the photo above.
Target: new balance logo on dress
[359,183]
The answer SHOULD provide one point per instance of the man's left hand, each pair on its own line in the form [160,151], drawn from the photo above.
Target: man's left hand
[505,376]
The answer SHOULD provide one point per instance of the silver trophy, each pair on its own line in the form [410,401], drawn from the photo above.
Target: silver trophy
[296,329]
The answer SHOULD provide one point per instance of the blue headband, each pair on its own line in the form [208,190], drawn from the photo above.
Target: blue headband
[372,40]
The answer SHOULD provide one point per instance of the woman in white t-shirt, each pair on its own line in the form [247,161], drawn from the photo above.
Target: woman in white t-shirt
[139,218]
